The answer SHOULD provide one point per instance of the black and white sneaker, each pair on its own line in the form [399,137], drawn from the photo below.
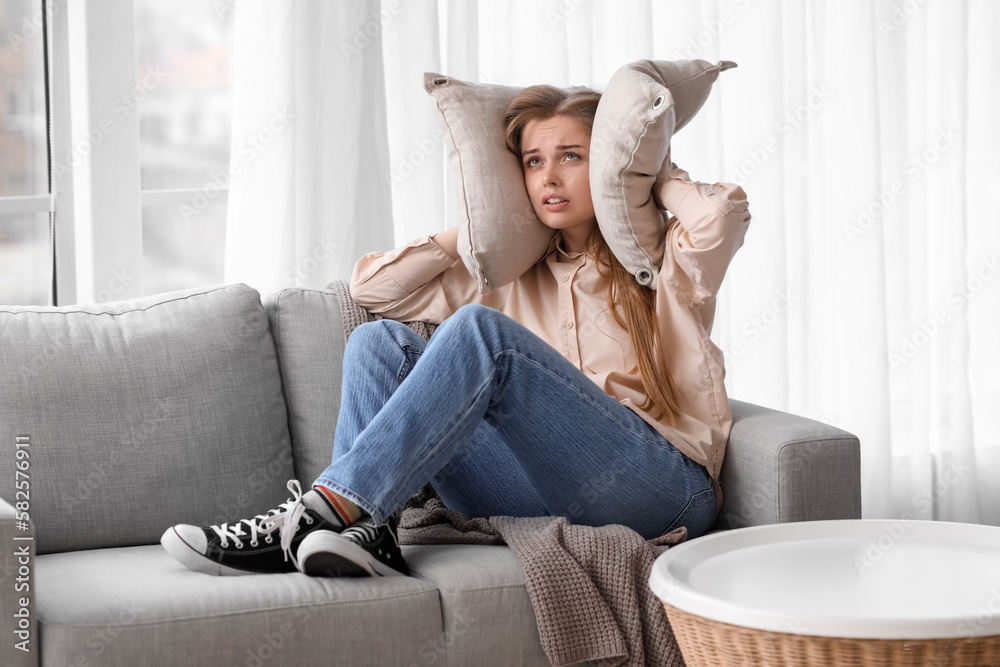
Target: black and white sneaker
[266,543]
[360,550]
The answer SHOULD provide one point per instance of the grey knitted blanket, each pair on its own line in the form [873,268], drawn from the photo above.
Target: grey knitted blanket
[588,585]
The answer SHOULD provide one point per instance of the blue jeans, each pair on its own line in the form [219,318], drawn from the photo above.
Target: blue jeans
[500,423]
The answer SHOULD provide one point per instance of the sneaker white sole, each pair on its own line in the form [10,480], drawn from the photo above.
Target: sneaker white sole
[325,554]
[185,554]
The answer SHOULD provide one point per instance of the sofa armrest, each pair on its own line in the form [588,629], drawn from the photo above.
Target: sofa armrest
[781,467]
[19,646]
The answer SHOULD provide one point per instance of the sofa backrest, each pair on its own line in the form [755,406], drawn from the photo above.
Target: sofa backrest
[308,334]
[138,415]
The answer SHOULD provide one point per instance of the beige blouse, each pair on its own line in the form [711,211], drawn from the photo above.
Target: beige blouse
[563,299]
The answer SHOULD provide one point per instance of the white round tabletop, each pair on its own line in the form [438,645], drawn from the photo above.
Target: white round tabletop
[864,578]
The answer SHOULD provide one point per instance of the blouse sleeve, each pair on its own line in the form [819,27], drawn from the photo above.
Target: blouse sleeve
[708,227]
[417,282]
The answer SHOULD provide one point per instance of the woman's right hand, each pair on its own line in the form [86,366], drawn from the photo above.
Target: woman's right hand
[448,240]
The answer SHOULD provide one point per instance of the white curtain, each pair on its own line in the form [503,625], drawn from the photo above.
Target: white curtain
[867,294]
[306,193]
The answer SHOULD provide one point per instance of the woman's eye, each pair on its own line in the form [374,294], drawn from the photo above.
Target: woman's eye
[531,161]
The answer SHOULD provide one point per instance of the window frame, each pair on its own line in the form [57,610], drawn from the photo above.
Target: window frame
[25,204]
[94,159]
[97,203]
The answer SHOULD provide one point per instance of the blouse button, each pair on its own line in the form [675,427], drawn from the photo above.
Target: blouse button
[566,277]
[569,325]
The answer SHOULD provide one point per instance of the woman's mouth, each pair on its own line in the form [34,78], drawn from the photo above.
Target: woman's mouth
[554,204]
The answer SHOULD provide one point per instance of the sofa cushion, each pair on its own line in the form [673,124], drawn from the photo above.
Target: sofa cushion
[142,414]
[488,617]
[137,606]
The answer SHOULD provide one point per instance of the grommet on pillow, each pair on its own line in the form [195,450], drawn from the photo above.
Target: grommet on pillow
[644,104]
[500,236]
[632,129]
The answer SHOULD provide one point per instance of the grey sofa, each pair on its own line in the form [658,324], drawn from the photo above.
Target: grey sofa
[119,420]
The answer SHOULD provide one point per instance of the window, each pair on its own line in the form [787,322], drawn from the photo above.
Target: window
[182,49]
[153,208]
[25,258]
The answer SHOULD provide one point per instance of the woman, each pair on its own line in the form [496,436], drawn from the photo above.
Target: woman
[553,395]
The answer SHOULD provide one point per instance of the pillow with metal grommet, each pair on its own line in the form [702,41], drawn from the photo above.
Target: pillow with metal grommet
[500,237]
[644,277]
[644,104]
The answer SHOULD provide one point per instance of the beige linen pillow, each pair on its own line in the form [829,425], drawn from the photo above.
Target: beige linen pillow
[500,237]
[644,103]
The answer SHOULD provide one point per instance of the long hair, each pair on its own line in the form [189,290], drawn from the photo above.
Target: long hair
[637,301]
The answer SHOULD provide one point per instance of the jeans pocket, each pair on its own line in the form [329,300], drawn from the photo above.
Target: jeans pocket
[697,515]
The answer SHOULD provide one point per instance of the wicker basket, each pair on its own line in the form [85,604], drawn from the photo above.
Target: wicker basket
[708,643]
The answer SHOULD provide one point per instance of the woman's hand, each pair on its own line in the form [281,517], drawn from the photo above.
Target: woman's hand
[448,240]
[667,188]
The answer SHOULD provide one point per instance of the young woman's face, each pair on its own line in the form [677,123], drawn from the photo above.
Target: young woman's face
[555,157]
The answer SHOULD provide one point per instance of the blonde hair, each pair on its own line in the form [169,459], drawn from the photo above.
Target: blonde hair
[637,301]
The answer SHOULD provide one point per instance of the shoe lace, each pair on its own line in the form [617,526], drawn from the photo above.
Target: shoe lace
[284,518]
